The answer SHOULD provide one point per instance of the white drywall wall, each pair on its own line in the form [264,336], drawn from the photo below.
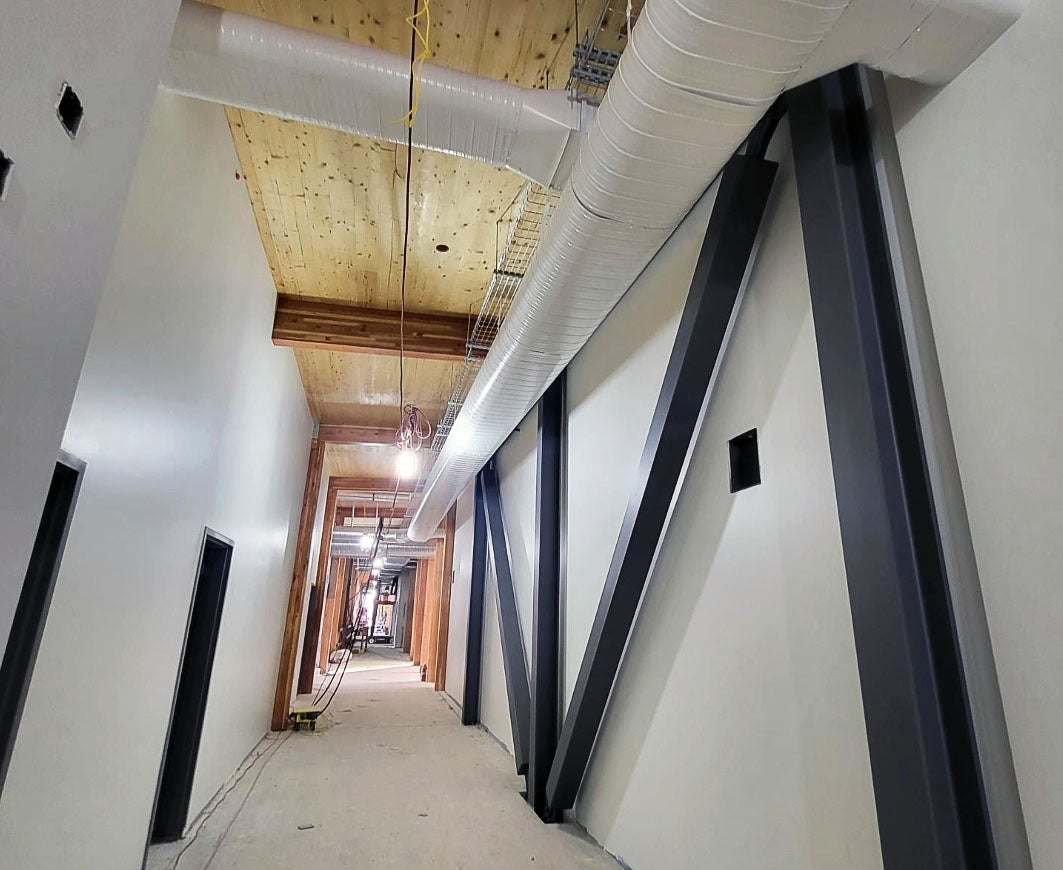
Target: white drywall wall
[58,224]
[187,417]
[735,737]
[458,633]
[981,165]
[516,477]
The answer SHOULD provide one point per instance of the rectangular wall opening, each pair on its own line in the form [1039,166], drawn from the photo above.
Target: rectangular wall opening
[745,461]
[31,612]
[193,684]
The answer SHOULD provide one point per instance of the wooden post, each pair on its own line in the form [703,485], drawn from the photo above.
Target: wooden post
[443,634]
[328,626]
[294,614]
[313,619]
[418,610]
[430,629]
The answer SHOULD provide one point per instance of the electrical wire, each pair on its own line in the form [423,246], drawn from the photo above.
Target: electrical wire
[417,59]
[243,802]
[414,429]
[341,669]
[271,751]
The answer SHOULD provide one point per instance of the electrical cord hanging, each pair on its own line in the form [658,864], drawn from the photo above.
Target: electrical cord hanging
[417,59]
[414,429]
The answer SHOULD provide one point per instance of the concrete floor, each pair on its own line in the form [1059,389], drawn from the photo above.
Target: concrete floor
[392,780]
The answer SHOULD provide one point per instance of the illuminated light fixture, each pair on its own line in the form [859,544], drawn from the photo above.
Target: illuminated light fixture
[378,563]
[376,572]
[407,464]
[366,543]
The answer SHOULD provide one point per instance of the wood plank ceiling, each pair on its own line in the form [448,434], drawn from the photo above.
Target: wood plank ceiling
[330,206]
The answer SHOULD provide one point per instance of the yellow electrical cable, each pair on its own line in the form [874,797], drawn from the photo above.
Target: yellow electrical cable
[417,64]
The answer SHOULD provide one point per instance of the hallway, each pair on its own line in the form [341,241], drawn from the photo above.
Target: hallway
[390,779]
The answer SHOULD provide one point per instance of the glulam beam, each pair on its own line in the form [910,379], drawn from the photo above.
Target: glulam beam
[327,324]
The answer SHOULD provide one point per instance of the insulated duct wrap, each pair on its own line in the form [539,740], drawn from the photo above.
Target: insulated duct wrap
[237,60]
[693,81]
[695,78]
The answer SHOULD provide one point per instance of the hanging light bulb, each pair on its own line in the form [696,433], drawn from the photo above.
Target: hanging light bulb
[407,464]
[378,563]
[366,543]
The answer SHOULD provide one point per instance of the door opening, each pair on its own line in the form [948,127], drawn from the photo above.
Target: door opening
[190,698]
[20,654]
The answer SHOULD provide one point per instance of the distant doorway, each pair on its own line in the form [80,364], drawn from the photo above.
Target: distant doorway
[31,612]
[193,683]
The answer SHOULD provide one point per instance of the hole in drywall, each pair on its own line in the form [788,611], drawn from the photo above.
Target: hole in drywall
[442,248]
[745,460]
[6,165]
[69,110]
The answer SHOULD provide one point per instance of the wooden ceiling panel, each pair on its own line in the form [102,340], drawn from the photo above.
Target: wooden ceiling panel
[342,460]
[330,206]
[330,209]
[364,390]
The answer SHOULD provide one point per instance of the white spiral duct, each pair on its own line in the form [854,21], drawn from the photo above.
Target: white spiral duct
[695,78]
[224,57]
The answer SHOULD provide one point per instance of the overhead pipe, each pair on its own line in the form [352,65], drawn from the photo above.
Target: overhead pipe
[695,78]
[236,60]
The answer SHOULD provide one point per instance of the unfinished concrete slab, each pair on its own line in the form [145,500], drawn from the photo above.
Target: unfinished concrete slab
[390,779]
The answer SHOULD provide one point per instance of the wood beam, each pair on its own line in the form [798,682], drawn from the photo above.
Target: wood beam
[317,597]
[443,634]
[326,324]
[345,512]
[336,434]
[293,615]
[369,484]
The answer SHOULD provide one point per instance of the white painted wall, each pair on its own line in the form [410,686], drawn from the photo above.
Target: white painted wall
[58,224]
[458,632]
[981,164]
[187,417]
[736,735]
[516,477]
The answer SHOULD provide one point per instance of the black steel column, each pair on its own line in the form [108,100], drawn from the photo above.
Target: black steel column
[514,662]
[474,642]
[744,187]
[546,611]
[928,793]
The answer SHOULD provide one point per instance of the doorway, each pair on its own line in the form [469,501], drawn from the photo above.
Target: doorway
[170,815]
[27,628]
